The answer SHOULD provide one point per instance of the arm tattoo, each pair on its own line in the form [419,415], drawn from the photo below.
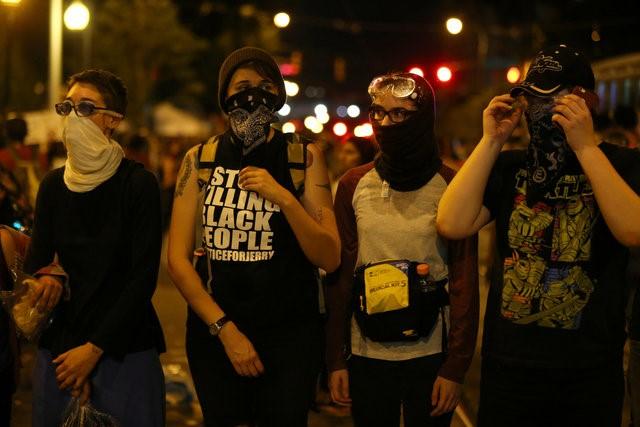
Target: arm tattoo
[186,173]
[318,215]
[326,186]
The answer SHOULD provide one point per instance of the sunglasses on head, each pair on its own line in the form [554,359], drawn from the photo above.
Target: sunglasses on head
[83,109]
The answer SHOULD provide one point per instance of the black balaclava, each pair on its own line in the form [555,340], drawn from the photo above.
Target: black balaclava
[409,156]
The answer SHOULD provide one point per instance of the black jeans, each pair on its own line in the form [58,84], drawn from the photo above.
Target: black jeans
[525,397]
[7,388]
[379,388]
[281,397]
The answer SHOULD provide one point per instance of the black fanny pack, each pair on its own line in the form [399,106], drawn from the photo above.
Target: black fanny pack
[393,303]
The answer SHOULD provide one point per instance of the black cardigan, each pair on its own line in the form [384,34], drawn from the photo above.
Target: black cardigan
[108,240]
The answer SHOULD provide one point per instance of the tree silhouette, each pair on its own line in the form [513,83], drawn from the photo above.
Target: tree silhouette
[143,42]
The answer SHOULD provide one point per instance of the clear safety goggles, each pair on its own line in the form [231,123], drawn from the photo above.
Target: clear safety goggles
[401,87]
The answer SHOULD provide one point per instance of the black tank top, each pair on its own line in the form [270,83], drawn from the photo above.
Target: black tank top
[254,267]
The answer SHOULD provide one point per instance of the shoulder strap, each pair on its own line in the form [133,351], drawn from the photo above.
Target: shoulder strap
[297,163]
[205,162]
[206,159]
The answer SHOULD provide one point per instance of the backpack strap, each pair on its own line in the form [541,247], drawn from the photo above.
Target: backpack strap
[205,163]
[297,163]
[206,159]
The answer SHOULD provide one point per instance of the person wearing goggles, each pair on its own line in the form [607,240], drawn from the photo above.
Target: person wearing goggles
[99,215]
[386,210]
[566,211]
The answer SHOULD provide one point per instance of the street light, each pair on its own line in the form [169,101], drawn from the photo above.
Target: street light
[454,25]
[364,130]
[288,127]
[320,110]
[513,75]
[7,24]
[291,88]
[417,71]
[313,124]
[281,19]
[340,129]
[77,16]
[285,110]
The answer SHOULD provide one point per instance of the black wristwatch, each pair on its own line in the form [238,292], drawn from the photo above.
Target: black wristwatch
[216,327]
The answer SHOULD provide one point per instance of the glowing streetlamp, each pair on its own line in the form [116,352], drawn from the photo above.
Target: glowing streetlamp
[364,130]
[77,16]
[340,129]
[291,88]
[285,110]
[353,111]
[417,71]
[320,110]
[281,20]
[454,25]
[313,124]
[513,75]
[288,127]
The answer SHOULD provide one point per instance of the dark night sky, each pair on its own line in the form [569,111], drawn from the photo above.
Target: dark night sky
[397,34]
[392,35]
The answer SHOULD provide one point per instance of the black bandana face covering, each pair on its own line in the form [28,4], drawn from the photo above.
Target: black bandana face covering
[250,115]
[408,151]
[548,151]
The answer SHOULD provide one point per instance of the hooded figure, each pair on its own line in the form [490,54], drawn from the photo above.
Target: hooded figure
[409,155]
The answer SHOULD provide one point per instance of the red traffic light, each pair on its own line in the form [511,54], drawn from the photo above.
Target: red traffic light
[444,74]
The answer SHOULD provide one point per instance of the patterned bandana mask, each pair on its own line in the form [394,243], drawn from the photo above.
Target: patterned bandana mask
[548,151]
[250,115]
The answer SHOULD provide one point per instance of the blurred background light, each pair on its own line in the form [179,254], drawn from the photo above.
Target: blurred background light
[454,25]
[281,20]
[77,16]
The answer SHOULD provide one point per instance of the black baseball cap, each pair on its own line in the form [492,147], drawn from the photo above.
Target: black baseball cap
[555,68]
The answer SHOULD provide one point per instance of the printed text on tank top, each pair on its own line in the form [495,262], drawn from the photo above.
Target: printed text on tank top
[237,222]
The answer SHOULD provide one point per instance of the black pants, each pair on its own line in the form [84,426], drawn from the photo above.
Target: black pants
[379,388]
[7,388]
[281,397]
[524,397]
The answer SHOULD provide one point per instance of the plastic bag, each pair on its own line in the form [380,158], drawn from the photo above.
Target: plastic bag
[78,415]
[21,302]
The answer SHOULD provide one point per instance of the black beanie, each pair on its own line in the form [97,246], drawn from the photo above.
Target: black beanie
[244,55]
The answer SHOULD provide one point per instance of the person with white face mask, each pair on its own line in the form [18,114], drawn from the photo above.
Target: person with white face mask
[100,215]
[566,211]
